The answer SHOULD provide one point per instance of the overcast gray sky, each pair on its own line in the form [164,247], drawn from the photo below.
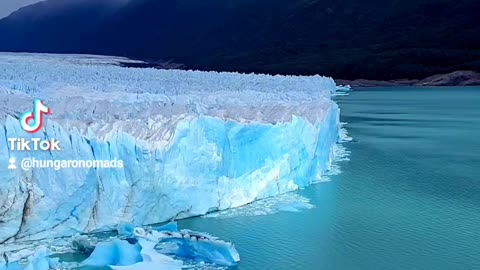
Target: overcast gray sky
[9,6]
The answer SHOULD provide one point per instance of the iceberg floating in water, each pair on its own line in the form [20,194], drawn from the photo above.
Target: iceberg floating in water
[37,261]
[189,245]
[125,229]
[191,142]
[116,253]
[120,254]
[201,247]
[81,243]
[151,259]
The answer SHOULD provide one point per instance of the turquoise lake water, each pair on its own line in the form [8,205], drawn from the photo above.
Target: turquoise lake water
[409,198]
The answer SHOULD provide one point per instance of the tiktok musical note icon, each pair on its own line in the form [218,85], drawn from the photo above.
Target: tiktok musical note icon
[32,121]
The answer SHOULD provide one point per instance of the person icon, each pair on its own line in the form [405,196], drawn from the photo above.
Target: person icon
[12,165]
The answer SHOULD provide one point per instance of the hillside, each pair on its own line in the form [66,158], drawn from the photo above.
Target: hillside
[348,39]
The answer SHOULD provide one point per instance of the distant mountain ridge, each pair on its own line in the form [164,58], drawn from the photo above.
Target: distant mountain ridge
[349,39]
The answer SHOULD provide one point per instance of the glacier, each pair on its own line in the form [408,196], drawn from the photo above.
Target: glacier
[192,142]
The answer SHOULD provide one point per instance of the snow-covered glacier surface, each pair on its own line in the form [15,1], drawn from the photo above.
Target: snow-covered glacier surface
[191,142]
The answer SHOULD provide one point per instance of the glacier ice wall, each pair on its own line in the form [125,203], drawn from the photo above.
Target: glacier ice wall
[192,142]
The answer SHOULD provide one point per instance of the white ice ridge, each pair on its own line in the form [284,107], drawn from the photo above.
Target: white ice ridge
[192,142]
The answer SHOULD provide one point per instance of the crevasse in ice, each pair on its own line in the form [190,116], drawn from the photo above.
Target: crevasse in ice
[192,142]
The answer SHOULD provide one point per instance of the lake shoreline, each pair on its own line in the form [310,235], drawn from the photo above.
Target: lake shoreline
[457,78]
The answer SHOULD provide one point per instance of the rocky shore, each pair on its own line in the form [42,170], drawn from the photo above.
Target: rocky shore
[457,78]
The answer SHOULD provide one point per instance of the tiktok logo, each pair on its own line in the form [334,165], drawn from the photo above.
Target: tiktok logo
[32,121]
